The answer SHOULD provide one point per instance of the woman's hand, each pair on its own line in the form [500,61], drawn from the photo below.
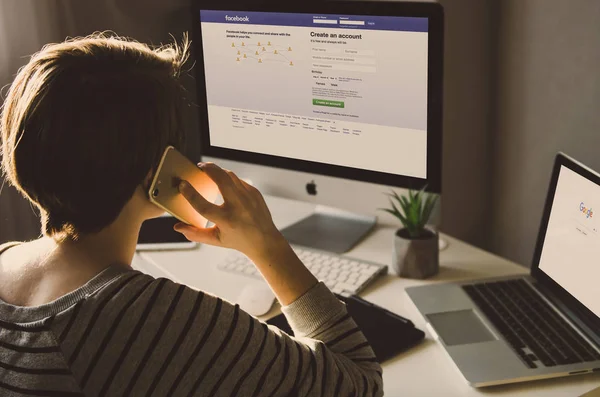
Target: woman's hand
[243,222]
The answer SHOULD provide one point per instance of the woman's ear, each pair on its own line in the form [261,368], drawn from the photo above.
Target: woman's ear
[147,181]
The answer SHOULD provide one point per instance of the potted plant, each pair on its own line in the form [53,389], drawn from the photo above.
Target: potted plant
[416,249]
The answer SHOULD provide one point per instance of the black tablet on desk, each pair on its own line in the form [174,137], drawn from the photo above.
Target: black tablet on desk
[388,333]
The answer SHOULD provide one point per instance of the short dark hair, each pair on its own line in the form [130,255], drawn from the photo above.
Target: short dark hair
[85,121]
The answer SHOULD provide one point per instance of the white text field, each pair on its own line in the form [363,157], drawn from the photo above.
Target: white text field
[325,21]
[355,23]
[346,67]
[344,59]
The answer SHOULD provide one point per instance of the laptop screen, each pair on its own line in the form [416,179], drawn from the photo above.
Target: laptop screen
[572,243]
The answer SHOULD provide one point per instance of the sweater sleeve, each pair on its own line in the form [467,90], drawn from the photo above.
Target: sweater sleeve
[345,362]
[152,337]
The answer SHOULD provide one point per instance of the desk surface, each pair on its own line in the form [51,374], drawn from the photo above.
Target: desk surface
[423,371]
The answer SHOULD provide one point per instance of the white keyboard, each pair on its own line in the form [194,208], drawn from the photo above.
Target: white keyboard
[345,276]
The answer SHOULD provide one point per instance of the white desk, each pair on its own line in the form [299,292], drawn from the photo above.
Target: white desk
[422,371]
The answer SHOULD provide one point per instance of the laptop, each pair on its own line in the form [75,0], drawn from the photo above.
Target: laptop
[544,325]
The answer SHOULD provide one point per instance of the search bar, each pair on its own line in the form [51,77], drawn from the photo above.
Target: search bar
[326,21]
[356,23]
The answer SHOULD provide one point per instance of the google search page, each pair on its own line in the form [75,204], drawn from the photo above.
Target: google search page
[343,90]
[572,246]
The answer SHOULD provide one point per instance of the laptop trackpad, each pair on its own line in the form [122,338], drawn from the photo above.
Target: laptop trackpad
[460,327]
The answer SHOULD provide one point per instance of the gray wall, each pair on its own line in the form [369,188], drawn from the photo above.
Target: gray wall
[469,48]
[548,86]
[18,220]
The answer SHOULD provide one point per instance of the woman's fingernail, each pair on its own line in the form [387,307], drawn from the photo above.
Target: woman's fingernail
[183,185]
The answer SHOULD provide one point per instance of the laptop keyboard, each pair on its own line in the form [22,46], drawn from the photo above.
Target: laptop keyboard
[533,329]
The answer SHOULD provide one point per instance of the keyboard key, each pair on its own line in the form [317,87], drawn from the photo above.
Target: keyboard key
[527,358]
[352,282]
[342,279]
[344,287]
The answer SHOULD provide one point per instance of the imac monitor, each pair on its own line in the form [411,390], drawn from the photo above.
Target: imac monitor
[343,89]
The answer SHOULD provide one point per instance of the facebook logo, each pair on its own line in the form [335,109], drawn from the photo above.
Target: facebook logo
[237,19]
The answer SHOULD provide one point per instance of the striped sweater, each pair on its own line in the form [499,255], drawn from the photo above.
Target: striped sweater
[125,333]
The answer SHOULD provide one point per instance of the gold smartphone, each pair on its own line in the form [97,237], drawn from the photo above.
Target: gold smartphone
[164,191]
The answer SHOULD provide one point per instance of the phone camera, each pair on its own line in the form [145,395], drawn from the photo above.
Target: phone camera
[155,192]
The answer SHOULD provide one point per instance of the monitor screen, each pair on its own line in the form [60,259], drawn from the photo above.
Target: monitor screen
[344,90]
[572,244]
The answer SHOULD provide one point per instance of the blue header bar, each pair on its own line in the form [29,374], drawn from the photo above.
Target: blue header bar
[405,24]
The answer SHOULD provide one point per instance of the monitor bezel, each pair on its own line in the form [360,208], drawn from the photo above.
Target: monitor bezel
[581,312]
[432,11]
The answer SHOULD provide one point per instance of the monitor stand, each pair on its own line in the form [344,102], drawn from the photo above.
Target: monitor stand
[330,230]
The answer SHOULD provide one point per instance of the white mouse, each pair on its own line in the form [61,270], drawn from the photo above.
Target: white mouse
[256,299]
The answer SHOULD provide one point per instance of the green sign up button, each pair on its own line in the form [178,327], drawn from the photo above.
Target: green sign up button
[325,102]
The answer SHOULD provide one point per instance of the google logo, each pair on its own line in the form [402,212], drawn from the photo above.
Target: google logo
[587,211]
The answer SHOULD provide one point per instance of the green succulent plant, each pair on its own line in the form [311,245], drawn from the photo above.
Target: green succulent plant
[413,210]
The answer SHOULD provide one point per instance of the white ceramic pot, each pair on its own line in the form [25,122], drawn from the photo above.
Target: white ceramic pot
[415,258]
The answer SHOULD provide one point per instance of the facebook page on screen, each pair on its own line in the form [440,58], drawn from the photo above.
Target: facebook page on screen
[335,89]
[572,245]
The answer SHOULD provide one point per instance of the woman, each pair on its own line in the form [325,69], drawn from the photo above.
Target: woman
[83,127]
